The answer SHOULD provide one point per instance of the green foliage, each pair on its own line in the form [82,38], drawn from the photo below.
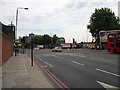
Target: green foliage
[54,39]
[46,39]
[103,19]
[36,39]
[61,40]
[42,40]
[27,45]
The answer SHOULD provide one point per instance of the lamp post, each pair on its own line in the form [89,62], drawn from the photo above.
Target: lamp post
[17,20]
[15,32]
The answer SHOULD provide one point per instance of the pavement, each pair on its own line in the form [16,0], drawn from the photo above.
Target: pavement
[17,72]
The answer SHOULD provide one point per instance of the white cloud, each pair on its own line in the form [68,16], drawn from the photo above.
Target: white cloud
[67,18]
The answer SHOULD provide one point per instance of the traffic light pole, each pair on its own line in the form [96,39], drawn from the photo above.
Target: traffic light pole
[73,48]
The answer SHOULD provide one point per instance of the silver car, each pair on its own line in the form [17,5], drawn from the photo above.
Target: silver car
[57,49]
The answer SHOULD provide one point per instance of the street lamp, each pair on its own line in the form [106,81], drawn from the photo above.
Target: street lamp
[17,20]
[15,32]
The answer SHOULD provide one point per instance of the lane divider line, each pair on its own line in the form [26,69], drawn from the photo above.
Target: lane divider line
[78,63]
[49,64]
[107,72]
[53,77]
[38,58]
[101,59]
[57,57]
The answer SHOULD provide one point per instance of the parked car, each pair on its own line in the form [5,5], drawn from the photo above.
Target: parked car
[57,49]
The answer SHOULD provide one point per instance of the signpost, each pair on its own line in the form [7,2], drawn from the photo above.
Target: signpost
[31,37]
[15,45]
[73,44]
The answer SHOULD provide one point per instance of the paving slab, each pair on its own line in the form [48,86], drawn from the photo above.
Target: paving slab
[17,72]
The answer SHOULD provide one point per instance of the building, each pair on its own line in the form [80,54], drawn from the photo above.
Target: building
[6,42]
[8,30]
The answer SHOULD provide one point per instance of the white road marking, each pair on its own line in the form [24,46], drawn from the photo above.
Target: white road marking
[49,64]
[41,59]
[78,55]
[81,56]
[107,86]
[78,63]
[57,57]
[71,54]
[101,59]
[107,72]
[38,58]
[51,55]
[47,55]
[44,66]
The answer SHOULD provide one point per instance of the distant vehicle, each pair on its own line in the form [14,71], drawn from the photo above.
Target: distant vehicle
[91,45]
[57,49]
[36,48]
[103,37]
[113,42]
[66,45]
[40,46]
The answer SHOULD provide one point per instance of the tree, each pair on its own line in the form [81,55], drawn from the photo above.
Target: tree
[36,39]
[46,39]
[103,19]
[54,39]
[27,45]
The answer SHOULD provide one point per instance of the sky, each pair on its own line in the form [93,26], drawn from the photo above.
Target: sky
[65,18]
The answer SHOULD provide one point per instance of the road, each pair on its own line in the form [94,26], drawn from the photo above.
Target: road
[82,68]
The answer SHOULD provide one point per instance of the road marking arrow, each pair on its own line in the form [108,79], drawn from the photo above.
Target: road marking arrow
[107,86]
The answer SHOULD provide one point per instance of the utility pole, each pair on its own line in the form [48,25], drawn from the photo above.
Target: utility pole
[73,44]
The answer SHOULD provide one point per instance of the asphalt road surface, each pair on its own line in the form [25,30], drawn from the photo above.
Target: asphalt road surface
[82,68]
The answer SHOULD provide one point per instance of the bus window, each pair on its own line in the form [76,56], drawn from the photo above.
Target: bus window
[111,36]
[102,34]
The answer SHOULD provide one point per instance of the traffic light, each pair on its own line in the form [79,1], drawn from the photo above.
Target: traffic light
[23,40]
[73,40]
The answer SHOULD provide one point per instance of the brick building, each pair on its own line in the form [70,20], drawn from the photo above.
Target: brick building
[6,41]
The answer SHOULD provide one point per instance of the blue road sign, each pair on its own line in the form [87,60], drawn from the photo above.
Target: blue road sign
[16,40]
[31,35]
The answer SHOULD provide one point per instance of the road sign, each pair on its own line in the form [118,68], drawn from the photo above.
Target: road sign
[31,35]
[16,40]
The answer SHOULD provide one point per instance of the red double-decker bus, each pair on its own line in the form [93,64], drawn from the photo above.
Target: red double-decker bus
[113,42]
